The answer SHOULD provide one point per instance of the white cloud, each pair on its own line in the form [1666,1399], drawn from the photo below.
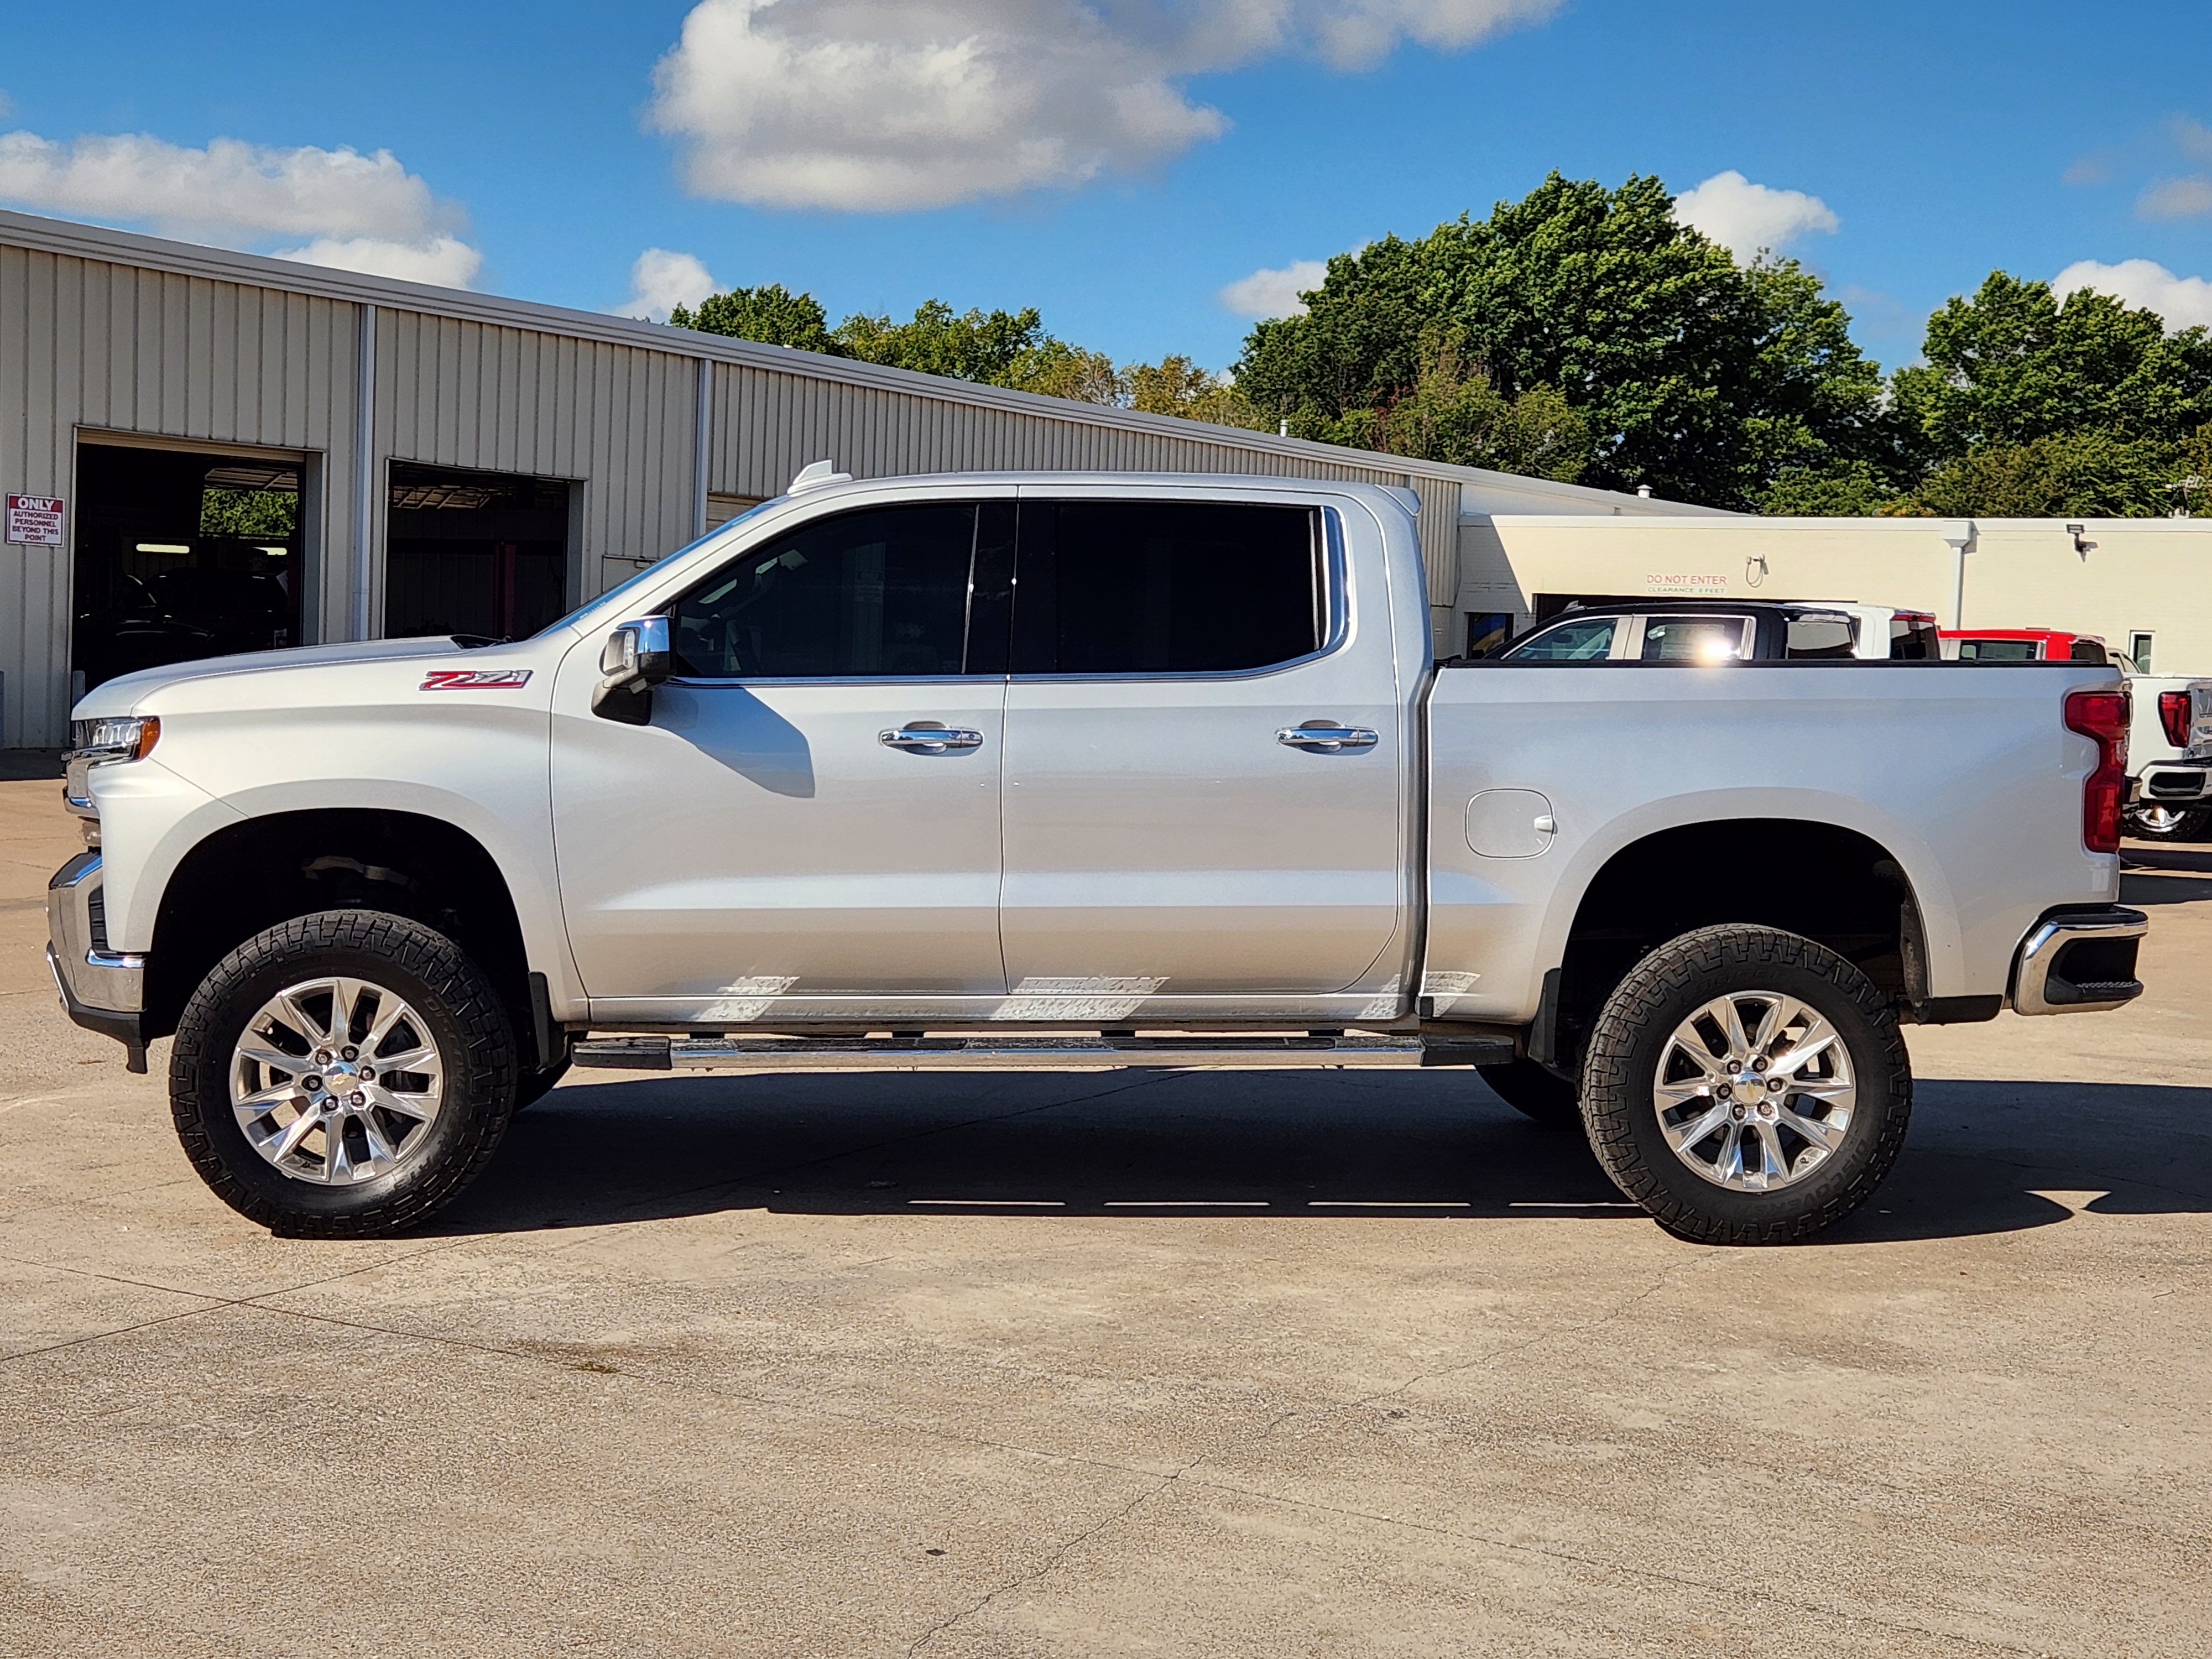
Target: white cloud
[364,213]
[1274,293]
[2183,302]
[1744,217]
[887,104]
[229,190]
[2175,198]
[441,261]
[662,280]
[2192,137]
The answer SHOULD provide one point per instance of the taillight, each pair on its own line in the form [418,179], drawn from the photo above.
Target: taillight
[2174,715]
[2102,716]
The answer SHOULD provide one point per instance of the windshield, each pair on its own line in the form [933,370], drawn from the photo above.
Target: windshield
[624,586]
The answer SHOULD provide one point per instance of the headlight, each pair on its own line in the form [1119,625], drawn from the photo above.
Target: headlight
[124,738]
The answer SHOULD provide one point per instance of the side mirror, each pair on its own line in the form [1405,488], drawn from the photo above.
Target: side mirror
[634,660]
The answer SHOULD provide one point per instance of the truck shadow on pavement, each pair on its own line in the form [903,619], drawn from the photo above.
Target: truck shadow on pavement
[2164,875]
[1984,1157]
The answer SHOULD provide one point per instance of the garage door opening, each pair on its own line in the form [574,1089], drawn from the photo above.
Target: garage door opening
[180,555]
[478,554]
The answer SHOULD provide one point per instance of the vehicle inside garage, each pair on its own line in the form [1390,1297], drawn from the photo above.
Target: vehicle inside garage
[483,554]
[180,555]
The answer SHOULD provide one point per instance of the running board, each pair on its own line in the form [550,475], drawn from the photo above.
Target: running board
[661,1054]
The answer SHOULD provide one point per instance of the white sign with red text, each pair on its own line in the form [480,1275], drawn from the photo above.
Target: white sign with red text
[1656,582]
[35,521]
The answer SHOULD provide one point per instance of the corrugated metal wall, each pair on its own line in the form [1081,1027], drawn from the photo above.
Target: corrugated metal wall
[617,420]
[87,343]
[767,425]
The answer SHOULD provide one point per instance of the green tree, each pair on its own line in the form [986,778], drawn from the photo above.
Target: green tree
[2029,406]
[1695,375]
[1451,412]
[770,313]
[1177,385]
[249,514]
[994,348]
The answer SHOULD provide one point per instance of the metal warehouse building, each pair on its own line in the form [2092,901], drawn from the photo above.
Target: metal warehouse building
[208,452]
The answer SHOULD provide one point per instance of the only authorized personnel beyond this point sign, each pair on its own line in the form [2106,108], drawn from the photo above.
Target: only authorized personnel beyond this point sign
[35,521]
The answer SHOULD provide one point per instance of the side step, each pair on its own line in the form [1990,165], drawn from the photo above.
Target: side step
[913,1054]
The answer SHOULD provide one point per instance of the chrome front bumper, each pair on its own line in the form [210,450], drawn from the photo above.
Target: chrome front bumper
[2079,961]
[102,989]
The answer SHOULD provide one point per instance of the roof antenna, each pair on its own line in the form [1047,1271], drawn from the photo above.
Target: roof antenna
[814,476]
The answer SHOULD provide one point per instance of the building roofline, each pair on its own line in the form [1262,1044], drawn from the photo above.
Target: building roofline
[72,240]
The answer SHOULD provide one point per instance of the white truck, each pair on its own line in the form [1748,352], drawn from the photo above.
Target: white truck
[1074,771]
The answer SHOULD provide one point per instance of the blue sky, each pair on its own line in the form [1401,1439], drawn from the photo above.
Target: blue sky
[1160,152]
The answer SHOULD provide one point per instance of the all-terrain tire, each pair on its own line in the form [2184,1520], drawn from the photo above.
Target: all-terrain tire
[1535,1091]
[1629,1043]
[465,1019]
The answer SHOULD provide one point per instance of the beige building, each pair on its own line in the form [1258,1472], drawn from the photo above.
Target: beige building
[2140,583]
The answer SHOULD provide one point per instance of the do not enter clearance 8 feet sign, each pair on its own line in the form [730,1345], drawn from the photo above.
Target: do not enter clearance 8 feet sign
[35,521]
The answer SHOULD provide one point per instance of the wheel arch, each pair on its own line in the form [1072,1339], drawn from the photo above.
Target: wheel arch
[1860,901]
[255,873]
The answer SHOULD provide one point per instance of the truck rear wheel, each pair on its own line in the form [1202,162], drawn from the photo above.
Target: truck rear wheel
[342,1075]
[1535,1091]
[1746,1086]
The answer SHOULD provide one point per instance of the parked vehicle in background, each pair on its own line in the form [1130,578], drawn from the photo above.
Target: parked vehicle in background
[1081,771]
[2169,734]
[2021,645]
[1729,630]
[2170,791]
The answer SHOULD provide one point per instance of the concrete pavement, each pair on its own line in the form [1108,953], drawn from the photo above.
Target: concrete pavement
[1046,1364]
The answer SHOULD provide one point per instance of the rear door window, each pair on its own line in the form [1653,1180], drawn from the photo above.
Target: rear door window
[1695,638]
[1166,587]
[1585,639]
[2086,651]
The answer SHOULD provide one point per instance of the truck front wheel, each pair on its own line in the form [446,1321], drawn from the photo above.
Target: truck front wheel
[1746,1086]
[342,1075]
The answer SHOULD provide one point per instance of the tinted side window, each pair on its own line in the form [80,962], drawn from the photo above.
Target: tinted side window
[1999,650]
[1693,639]
[884,591]
[2085,651]
[1146,587]
[1818,637]
[1914,639]
[1589,639]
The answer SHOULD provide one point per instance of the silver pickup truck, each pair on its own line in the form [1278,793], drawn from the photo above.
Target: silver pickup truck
[1074,771]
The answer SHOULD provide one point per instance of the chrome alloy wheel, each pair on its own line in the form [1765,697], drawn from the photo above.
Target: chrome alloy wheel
[337,1080]
[1754,1090]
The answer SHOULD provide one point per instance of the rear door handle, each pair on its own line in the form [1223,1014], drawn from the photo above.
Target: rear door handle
[1327,737]
[929,737]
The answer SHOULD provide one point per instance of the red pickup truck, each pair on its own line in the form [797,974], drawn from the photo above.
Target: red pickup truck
[2021,645]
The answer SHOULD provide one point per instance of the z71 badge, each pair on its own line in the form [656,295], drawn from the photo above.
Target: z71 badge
[475,679]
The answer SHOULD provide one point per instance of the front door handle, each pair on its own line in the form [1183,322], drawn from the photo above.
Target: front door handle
[1327,737]
[930,738]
